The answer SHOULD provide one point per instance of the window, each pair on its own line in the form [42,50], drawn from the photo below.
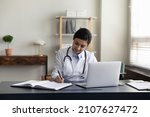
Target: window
[140,33]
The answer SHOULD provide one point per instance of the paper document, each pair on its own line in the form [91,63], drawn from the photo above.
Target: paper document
[140,85]
[45,84]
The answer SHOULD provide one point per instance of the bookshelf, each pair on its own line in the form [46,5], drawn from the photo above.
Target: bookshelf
[88,23]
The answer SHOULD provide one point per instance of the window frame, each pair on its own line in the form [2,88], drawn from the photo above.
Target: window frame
[133,40]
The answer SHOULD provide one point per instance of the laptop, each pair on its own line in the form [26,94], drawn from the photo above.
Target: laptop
[102,74]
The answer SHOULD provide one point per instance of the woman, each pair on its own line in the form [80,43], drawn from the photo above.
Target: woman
[72,63]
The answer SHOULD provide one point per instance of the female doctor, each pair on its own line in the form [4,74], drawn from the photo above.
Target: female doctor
[72,63]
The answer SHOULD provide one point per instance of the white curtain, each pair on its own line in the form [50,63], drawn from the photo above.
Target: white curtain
[140,33]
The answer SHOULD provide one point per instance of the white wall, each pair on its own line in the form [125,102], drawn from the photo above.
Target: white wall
[30,20]
[114,30]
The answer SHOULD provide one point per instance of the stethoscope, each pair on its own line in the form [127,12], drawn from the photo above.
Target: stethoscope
[69,57]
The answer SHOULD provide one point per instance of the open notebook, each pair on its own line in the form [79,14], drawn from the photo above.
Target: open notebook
[45,84]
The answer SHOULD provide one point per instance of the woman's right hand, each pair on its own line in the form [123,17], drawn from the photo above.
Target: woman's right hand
[59,79]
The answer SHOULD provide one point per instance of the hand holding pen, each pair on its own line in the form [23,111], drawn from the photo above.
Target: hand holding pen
[59,78]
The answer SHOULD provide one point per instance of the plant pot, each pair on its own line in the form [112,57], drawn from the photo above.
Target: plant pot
[8,51]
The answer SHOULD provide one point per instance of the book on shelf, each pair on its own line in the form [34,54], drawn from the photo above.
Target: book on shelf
[43,84]
[140,85]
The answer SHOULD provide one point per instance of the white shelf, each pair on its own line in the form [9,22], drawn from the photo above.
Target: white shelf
[65,17]
[65,34]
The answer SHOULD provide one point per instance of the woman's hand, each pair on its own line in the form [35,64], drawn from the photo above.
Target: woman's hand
[59,79]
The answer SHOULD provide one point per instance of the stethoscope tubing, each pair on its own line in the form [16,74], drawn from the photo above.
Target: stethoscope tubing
[67,56]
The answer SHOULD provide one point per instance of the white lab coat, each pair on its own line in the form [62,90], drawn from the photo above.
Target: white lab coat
[72,70]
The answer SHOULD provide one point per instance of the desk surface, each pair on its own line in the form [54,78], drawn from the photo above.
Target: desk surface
[72,92]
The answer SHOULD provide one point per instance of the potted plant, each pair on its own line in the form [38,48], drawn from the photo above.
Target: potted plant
[8,39]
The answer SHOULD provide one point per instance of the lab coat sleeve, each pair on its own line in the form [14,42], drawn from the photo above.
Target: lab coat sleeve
[92,58]
[57,65]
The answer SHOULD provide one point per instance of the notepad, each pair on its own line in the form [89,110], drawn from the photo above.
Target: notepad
[45,84]
[140,85]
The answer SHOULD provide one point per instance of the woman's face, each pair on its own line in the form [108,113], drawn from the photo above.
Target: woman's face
[79,45]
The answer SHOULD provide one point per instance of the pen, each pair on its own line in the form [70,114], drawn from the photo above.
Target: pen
[61,79]
[59,74]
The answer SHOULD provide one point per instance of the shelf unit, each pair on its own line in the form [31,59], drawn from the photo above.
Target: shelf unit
[60,34]
[24,60]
